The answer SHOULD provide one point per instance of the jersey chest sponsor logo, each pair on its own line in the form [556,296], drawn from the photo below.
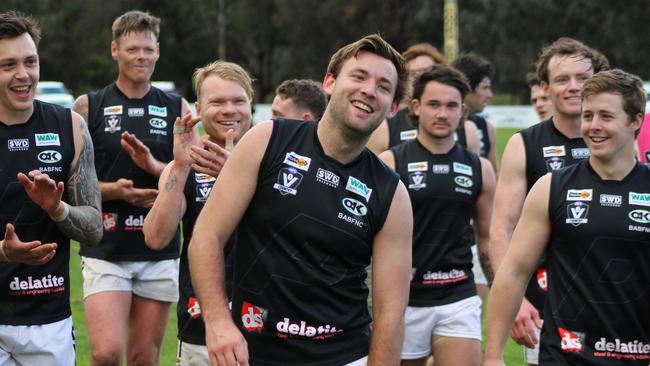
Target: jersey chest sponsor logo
[580,153]
[203,178]
[193,307]
[36,286]
[639,199]
[50,169]
[554,164]
[618,349]
[354,185]
[112,124]
[109,221]
[49,156]
[611,200]
[136,112]
[444,277]
[419,166]
[287,328]
[417,180]
[157,111]
[47,139]
[134,223]
[203,192]
[113,110]
[328,178]
[571,341]
[640,216]
[354,207]
[462,168]
[288,180]
[408,135]
[440,169]
[579,194]
[158,123]
[463,181]
[18,145]
[297,161]
[253,317]
[549,151]
[577,213]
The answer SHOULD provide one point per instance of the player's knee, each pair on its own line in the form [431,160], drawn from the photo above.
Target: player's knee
[106,357]
[144,356]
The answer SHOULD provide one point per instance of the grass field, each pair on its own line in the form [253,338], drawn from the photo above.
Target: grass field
[513,354]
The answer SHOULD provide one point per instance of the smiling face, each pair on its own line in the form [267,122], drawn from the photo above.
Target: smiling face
[136,54]
[223,105]
[439,110]
[606,128]
[566,77]
[363,93]
[19,74]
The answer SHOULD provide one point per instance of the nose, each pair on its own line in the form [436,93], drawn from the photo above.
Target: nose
[21,71]
[575,84]
[228,108]
[369,88]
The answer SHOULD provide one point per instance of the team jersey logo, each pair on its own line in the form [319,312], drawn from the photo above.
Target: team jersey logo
[136,112]
[109,221]
[112,124]
[354,185]
[158,123]
[444,277]
[408,135]
[571,341]
[354,207]
[580,153]
[462,168]
[417,180]
[134,223]
[288,180]
[297,161]
[440,169]
[577,213]
[463,181]
[18,145]
[253,317]
[113,110]
[639,199]
[203,178]
[47,139]
[49,156]
[193,307]
[203,192]
[640,216]
[611,200]
[549,151]
[157,111]
[542,279]
[554,164]
[579,195]
[327,178]
[622,349]
[287,328]
[420,166]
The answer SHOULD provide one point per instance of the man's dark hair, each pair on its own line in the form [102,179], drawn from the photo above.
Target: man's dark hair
[475,68]
[565,46]
[442,74]
[532,80]
[377,45]
[14,24]
[305,93]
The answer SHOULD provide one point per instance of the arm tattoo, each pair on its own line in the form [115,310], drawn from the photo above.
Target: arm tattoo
[84,223]
[171,181]
[487,267]
[81,106]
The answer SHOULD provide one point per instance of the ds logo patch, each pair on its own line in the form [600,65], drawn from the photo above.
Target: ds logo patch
[49,156]
[354,207]
[577,213]
[542,279]
[253,317]
[571,341]
[109,221]
[193,307]
[288,180]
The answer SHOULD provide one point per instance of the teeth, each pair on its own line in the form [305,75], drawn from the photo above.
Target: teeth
[228,123]
[598,139]
[21,89]
[363,106]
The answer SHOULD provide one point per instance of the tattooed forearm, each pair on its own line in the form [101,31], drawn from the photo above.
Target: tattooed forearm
[484,258]
[84,223]
[171,181]
[81,106]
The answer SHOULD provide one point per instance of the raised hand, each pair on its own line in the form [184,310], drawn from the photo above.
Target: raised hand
[209,157]
[33,252]
[143,197]
[43,190]
[185,136]
[141,154]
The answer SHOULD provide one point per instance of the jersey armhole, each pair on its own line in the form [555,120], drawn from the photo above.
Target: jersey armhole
[268,154]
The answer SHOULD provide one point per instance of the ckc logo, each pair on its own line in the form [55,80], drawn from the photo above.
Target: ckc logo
[355,207]
[640,216]
[463,181]
[158,123]
[49,156]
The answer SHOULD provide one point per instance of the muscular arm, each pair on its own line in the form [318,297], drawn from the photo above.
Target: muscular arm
[528,244]
[471,134]
[81,106]
[84,222]
[378,141]
[391,272]
[218,219]
[482,216]
[492,154]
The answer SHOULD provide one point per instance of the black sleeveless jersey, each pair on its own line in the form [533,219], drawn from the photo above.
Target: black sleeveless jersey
[151,120]
[598,309]
[400,128]
[32,295]
[303,246]
[191,328]
[483,134]
[547,149]
[443,189]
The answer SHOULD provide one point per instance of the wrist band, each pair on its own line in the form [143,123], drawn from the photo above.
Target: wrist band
[64,215]
[3,256]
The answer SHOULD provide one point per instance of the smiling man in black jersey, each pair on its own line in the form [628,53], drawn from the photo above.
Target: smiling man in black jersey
[49,195]
[448,186]
[592,221]
[311,205]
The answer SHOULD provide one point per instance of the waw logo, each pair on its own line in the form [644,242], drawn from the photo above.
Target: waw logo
[47,139]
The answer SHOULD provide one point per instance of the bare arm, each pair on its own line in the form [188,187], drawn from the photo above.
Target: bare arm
[528,244]
[482,216]
[391,272]
[81,106]
[492,154]
[379,139]
[471,134]
[215,224]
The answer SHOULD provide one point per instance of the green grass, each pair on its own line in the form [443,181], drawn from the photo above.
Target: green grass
[513,354]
